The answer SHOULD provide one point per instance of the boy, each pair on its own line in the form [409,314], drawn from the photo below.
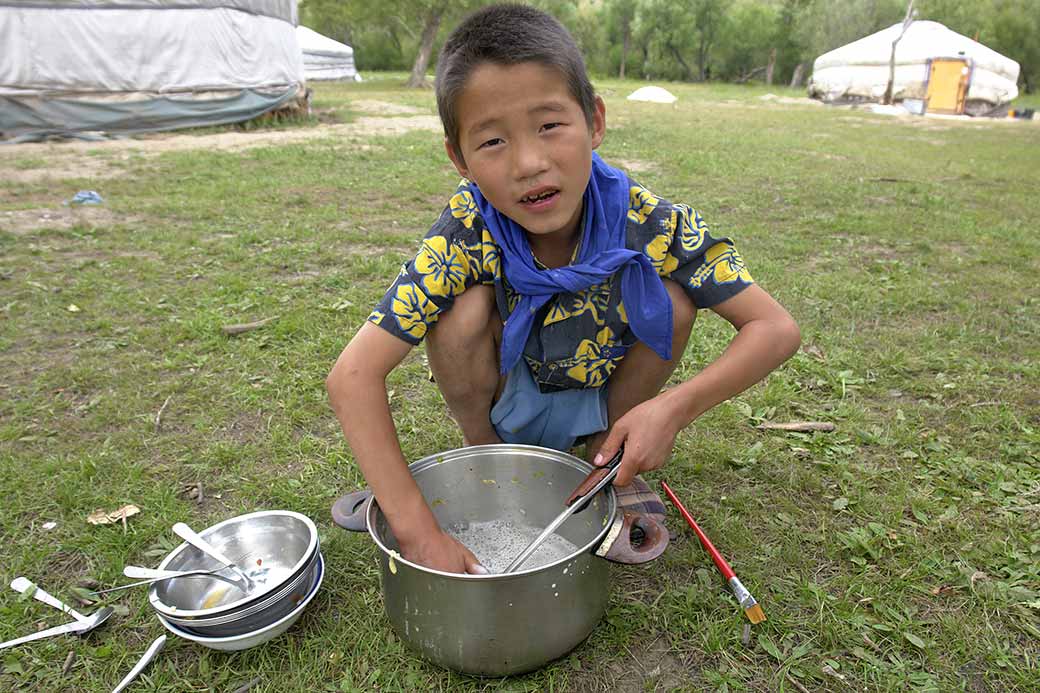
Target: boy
[556,296]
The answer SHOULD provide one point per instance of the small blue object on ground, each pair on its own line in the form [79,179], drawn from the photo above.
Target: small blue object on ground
[85,197]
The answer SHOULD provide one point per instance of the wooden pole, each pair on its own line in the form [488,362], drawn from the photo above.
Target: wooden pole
[907,21]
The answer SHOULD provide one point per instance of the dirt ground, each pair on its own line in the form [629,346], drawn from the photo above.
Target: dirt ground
[100,159]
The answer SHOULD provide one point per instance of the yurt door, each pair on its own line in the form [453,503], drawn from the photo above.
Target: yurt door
[947,85]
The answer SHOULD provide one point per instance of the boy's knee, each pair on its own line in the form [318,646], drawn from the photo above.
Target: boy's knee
[684,313]
[472,316]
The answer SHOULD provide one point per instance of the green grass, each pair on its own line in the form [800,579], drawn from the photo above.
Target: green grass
[900,552]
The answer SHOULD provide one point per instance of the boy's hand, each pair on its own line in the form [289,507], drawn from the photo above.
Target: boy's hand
[441,551]
[648,432]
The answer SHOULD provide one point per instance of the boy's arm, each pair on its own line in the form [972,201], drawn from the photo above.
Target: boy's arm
[357,392]
[766,336]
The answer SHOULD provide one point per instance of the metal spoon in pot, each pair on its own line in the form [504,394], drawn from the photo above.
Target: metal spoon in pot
[189,535]
[578,501]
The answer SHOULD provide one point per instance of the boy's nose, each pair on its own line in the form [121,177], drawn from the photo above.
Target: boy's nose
[529,160]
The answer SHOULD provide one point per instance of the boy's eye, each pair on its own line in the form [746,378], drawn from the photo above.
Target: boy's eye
[550,126]
[490,143]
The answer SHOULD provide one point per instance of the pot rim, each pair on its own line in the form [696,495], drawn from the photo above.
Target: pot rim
[461,453]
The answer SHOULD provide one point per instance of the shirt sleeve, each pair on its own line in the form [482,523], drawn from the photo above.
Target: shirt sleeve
[456,253]
[710,269]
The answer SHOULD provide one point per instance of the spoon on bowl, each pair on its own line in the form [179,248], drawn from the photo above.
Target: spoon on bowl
[189,535]
[147,576]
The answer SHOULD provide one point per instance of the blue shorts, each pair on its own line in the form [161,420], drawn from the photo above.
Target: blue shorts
[527,416]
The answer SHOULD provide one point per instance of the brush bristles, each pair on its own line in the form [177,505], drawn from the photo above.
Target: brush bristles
[755,614]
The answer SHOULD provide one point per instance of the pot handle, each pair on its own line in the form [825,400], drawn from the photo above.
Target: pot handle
[650,535]
[351,511]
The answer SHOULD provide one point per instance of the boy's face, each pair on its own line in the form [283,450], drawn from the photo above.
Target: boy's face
[524,140]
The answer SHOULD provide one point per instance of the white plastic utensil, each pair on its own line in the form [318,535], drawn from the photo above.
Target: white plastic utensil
[75,626]
[145,660]
[24,584]
[189,535]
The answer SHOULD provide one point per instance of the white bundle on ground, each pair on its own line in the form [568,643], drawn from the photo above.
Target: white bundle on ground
[654,94]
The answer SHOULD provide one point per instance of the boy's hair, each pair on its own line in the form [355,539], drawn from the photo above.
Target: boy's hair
[507,35]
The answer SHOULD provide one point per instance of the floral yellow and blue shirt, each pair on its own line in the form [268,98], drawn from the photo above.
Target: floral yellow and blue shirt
[580,338]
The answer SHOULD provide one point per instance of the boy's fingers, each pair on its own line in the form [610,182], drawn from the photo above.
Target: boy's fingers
[473,566]
[626,473]
[477,569]
[609,447]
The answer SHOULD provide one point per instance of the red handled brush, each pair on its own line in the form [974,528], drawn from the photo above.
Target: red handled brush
[751,608]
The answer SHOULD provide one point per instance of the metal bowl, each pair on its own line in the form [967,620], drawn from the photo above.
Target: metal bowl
[256,637]
[272,546]
[257,615]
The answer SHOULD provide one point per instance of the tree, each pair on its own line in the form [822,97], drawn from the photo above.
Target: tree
[745,40]
[389,34]
[707,16]
[1016,34]
[670,32]
[432,13]
[619,16]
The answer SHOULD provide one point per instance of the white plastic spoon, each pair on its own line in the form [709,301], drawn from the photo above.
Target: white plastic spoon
[24,584]
[80,627]
[145,660]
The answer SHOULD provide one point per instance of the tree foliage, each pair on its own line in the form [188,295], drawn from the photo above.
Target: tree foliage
[693,40]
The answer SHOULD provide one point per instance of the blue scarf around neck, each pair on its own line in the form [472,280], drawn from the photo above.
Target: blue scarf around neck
[602,252]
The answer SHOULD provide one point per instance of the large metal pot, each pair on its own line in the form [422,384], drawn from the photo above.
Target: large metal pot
[495,625]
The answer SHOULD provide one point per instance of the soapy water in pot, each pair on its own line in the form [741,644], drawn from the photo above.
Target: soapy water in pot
[497,542]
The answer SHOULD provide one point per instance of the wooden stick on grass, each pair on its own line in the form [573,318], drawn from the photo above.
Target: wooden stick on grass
[798,426]
[158,417]
[232,330]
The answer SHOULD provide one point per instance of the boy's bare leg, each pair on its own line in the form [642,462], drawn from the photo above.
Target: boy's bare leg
[462,348]
[642,373]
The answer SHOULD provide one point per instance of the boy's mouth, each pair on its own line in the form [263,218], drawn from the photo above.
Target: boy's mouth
[539,196]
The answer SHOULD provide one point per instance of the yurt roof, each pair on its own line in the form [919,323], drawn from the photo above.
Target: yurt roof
[313,42]
[923,41]
[279,9]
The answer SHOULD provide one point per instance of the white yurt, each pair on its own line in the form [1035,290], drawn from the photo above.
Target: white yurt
[325,58]
[947,72]
[123,66]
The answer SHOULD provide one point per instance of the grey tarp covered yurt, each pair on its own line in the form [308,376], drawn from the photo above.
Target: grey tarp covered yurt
[325,58]
[124,66]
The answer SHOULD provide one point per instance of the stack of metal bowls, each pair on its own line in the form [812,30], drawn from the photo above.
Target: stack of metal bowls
[277,549]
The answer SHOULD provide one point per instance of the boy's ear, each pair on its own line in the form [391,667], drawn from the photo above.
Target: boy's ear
[456,159]
[599,123]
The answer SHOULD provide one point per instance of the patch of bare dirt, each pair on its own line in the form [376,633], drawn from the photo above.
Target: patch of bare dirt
[94,168]
[384,108]
[635,165]
[790,100]
[826,156]
[26,221]
[650,665]
[247,427]
[69,159]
